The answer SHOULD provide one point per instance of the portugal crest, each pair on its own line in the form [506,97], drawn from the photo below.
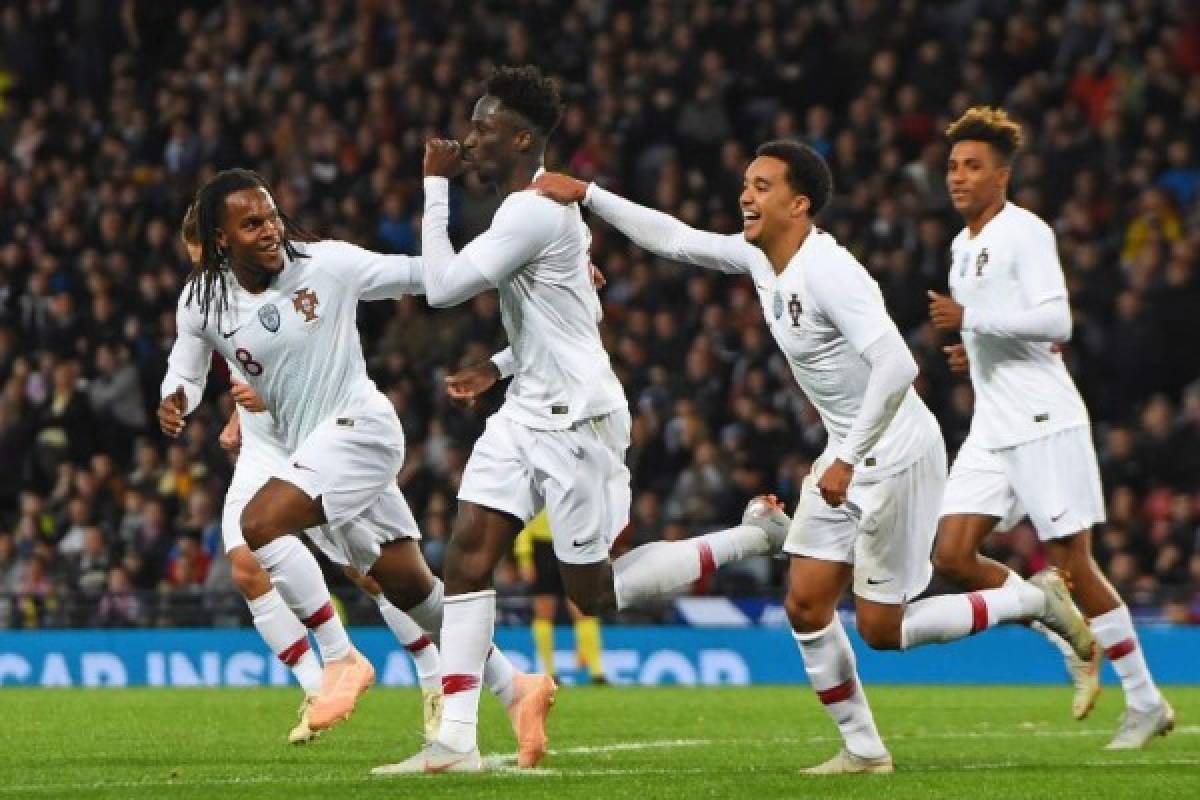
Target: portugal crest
[268,315]
[305,302]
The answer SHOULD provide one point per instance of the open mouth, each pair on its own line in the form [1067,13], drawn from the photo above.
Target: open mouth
[750,217]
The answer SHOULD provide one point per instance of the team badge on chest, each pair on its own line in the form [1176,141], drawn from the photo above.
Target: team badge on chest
[981,262]
[305,302]
[795,309]
[269,317]
[777,305]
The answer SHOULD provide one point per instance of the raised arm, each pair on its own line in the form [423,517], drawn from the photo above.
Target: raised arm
[652,230]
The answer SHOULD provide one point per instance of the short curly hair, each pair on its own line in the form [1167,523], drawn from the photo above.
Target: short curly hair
[991,125]
[529,93]
[807,172]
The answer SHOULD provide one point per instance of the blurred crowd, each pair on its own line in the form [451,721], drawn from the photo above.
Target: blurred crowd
[112,114]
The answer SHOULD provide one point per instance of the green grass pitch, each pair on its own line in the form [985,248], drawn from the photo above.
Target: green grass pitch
[953,742]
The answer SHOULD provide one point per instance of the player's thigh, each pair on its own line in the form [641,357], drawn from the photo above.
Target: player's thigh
[480,538]
[547,579]
[879,624]
[590,586]
[279,508]
[1057,481]
[497,475]
[346,462]
[896,531]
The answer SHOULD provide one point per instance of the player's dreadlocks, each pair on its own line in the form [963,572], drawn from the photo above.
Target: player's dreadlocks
[529,93]
[991,125]
[211,275]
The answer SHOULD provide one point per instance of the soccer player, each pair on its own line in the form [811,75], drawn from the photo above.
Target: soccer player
[1030,446]
[534,551]
[282,307]
[868,510]
[252,437]
[559,439]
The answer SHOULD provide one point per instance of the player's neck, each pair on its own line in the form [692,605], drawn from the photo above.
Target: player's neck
[521,176]
[252,279]
[986,214]
[780,251]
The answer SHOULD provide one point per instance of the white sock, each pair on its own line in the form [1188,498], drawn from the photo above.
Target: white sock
[297,576]
[832,672]
[428,613]
[467,625]
[1114,632]
[657,570]
[952,616]
[498,675]
[418,644]
[287,637]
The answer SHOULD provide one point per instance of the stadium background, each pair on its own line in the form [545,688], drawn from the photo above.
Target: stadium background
[114,113]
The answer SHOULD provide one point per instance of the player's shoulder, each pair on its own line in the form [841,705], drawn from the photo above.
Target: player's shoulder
[1018,219]
[532,213]
[829,266]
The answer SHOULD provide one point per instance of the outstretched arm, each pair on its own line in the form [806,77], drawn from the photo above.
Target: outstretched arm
[652,230]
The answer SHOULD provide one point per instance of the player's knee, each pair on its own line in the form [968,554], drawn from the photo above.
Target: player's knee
[257,526]
[805,616]
[248,575]
[467,572]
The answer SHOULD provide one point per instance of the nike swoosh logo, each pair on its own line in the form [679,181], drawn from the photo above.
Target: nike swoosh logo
[582,542]
[876,582]
[298,465]
[232,332]
[1060,516]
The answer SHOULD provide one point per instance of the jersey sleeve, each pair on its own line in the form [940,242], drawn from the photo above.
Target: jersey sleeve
[851,299]
[667,237]
[190,357]
[375,276]
[1038,269]
[522,228]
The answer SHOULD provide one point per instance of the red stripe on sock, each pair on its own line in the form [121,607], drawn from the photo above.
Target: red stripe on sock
[319,617]
[453,684]
[843,691]
[1121,649]
[979,612]
[708,564]
[292,654]
[417,645]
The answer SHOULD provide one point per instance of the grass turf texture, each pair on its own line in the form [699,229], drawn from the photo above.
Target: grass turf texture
[993,742]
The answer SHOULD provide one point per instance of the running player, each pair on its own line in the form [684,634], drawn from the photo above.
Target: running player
[1030,446]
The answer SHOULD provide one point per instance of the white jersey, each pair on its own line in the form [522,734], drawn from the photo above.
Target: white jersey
[536,254]
[296,343]
[1022,389]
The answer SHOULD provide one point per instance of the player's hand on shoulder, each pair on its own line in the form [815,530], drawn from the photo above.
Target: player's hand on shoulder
[443,158]
[560,188]
[245,396]
[946,314]
[956,357]
[469,382]
[170,412]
